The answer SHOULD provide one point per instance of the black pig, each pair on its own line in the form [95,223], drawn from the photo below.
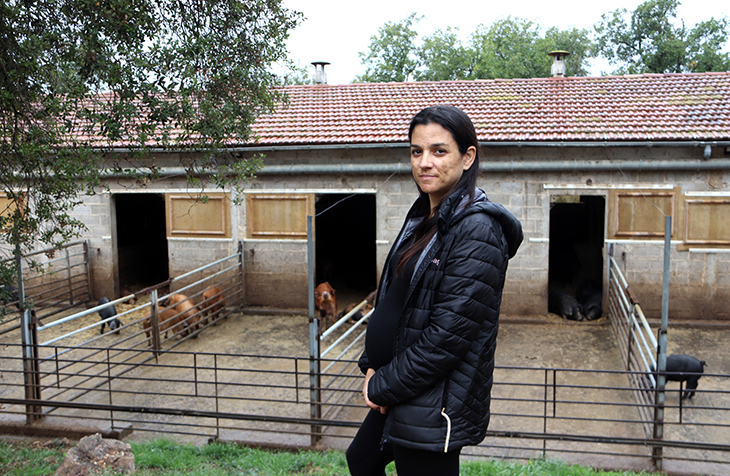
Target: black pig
[565,305]
[681,367]
[106,313]
[9,294]
[590,297]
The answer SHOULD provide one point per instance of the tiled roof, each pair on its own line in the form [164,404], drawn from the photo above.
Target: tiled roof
[649,107]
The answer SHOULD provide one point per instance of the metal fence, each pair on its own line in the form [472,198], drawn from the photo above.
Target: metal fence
[677,440]
[54,281]
[635,339]
[336,373]
[188,393]
[60,358]
[591,417]
[130,382]
[537,412]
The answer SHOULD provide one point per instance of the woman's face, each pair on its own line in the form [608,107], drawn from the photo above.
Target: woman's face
[436,161]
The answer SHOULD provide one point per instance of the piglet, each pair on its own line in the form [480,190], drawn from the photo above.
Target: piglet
[565,305]
[685,368]
[325,302]
[106,313]
[9,294]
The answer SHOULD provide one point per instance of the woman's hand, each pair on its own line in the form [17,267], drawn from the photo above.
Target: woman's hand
[372,405]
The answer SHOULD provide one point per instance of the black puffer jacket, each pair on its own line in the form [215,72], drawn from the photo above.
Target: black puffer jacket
[438,384]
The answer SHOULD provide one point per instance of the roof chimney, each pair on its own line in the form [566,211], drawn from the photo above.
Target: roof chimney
[557,70]
[320,77]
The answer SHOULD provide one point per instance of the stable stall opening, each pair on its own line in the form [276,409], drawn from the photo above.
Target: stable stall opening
[141,239]
[345,245]
[576,242]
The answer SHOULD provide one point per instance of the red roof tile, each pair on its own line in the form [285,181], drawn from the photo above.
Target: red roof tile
[649,107]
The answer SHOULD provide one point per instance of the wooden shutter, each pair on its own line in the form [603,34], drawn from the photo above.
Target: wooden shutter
[8,207]
[278,216]
[190,216]
[707,221]
[641,214]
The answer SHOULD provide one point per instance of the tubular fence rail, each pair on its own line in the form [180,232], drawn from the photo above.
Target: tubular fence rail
[635,339]
[54,281]
[341,370]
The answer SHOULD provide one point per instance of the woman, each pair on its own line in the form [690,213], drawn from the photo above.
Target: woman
[429,349]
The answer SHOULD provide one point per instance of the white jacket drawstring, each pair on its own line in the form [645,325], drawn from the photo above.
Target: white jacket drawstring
[448,429]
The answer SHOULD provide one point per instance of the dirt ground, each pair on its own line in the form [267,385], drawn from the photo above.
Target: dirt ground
[534,342]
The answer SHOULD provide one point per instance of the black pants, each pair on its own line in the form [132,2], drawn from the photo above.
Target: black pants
[366,457]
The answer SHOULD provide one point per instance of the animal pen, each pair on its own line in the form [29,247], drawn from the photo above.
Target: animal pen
[62,373]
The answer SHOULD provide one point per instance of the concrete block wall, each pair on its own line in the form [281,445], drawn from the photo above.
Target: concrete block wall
[187,254]
[528,198]
[524,291]
[699,280]
[96,214]
[276,273]
[276,269]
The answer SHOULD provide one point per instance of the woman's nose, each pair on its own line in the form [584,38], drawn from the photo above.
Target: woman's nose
[425,161]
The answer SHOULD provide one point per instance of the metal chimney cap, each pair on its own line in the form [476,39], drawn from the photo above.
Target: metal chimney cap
[320,77]
[557,70]
[558,53]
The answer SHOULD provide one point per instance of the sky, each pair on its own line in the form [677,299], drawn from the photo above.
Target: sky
[336,31]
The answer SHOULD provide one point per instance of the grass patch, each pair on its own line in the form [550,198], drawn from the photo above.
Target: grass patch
[23,458]
[535,468]
[163,457]
[167,458]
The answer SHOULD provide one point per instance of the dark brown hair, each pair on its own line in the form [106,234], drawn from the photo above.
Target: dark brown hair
[462,130]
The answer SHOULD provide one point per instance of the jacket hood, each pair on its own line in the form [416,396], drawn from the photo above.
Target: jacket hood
[456,207]
[511,226]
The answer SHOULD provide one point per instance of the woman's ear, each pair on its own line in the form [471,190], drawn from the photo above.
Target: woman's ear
[469,157]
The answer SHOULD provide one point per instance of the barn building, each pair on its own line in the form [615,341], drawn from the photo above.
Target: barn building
[582,162]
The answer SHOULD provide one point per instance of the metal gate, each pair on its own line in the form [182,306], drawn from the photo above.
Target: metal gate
[635,339]
[666,426]
[54,281]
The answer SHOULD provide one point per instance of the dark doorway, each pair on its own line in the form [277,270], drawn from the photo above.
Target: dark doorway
[576,242]
[141,239]
[345,245]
